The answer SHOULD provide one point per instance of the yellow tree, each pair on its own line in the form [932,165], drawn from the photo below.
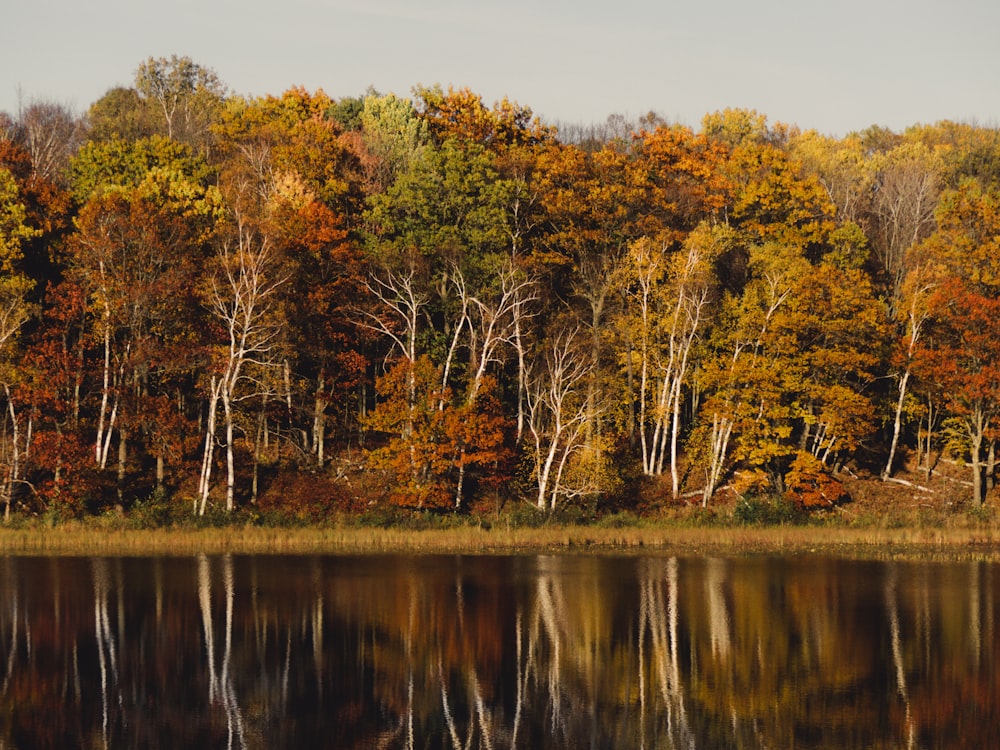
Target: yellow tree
[14,285]
[667,302]
[14,312]
[790,364]
[773,198]
[298,182]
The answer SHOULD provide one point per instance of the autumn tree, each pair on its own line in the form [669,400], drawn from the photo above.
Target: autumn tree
[904,189]
[186,96]
[434,440]
[135,253]
[14,312]
[120,114]
[592,205]
[913,316]
[301,187]
[461,114]
[50,133]
[666,311]
[792,358]
[116,164]
[391,134]
[241,294]
[959,355]
[146,214]
[41,208]
[557,417]
[956,358]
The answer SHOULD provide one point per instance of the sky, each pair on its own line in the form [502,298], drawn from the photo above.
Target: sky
[835,67]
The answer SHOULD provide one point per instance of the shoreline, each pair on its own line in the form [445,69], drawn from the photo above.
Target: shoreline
[83,539]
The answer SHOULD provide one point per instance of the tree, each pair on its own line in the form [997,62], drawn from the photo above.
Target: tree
[790,365]
[186,95]
[433,440]
[121,114]
[51,134]
[102,166]
[14,312]
[392,134]
[242,296]
[461,114]
[905,185]
[956,359]
[299,183]
[557,417]
[960,356]
[14,285]
[668,296]
[136,254]
[919,285]
[324,288]
[592,206]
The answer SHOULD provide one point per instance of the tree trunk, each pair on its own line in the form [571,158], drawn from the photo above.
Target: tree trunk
[897,424]
[14,471]
[122,461]
[227,408]
[159,473]
[978,488]
[204,482]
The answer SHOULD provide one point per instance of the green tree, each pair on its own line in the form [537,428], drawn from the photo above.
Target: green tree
[120,114]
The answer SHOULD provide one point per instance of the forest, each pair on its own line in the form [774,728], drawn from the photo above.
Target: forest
[428,302]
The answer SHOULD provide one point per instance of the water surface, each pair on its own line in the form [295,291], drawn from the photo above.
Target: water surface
[497,652]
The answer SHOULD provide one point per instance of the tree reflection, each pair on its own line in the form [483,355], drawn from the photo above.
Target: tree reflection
[518,652]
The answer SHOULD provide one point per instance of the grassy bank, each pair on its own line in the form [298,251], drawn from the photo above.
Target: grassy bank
[92,538]
[882,519]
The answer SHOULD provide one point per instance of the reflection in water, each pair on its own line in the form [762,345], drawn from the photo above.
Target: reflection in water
[497,653]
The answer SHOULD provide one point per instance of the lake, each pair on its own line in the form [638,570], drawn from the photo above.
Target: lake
[531,651]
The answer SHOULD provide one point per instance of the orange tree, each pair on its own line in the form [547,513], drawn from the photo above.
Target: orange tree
[432,443]
[958,358]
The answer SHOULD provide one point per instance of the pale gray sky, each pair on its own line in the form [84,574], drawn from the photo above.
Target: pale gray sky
[833,66]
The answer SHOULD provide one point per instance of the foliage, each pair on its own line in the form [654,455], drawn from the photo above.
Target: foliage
[809,484]
[767,511]
[431,437]
[253,286]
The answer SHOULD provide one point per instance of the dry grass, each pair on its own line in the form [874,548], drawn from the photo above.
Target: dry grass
[85,539]
[911,516]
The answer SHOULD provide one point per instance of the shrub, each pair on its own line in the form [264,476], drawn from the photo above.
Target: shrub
[809,484]
[767,511]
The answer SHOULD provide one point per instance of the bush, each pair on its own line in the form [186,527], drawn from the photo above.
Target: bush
[767,511]
[155,512]
[809,483]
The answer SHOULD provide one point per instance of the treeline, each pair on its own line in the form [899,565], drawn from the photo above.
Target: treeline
[202,291]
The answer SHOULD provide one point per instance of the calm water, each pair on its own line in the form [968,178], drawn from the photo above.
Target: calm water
[497,652]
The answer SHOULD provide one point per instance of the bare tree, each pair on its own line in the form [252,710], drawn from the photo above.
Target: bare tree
[51,133]
[242,296]
[184,92]
[557,415]
[901,213]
